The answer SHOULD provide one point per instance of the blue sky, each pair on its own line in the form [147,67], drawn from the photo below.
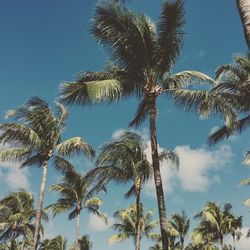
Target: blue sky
[44,43]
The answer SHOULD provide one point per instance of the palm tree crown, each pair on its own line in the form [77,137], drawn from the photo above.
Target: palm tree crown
[35,138]
[126,224]
[76,195]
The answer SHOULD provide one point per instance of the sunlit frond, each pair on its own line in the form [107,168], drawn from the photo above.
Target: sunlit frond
[74,146]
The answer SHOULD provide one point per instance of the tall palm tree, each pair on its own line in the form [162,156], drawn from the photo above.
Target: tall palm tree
[76,195]
[57,243]
[84,243]
[181,224]
[126,225]
[244,10]
[234,88]
[17,216]
[35,138]
[124,161]
[214,222]
[142,55]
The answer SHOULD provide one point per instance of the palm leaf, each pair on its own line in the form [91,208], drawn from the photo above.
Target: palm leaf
[74,146]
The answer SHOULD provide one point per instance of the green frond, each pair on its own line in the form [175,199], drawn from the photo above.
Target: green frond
[118,238]
[15,154]
[247,158]
[141,113]
[186,78]
[128,37]
[62,114]
[153,236]
[170,156]
[170,35]
[35,160]
[90,91]
[19,135]
[62,165]
[93,202]
[74,146]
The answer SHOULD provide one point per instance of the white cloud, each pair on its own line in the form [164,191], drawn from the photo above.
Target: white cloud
[98,224]
[243,243]
[197,169]
[197,166]
[13,176]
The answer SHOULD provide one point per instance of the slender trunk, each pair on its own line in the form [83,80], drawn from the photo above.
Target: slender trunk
[23,242]
[157,173]
[138,216]
[244,10]
[40,207]
[222,243]
[234,243]
[77,228]
[182,243]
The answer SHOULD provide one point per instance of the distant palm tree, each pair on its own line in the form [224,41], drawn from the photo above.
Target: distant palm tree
[75,195]
[181,224]
[215,223]
[244,9]
[124,161]
[35,139]
[57,243]
[126,225]
[156,246]
[17,216]
[142,56]
[84,243]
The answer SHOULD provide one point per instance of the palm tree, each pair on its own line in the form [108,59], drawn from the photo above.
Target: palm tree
[244,10]
[17,216]
[142,56]
[35,139]
[57,243]
[214,222]
[84,243]
[181,224]
[75,195]
[126,225]
[124,160]
[156,246]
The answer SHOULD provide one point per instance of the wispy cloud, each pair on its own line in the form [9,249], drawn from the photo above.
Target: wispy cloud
[98,224]
[197,169]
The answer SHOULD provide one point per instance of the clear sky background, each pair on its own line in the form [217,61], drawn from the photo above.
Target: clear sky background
[44,43]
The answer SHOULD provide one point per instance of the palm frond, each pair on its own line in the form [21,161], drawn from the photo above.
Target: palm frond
[62,165]
[141,113]
[15,154]
[186,78]
[170,35]
[74,146]
[118,238]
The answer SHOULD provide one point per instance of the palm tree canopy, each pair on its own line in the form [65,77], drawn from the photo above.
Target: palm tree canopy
[35,136]
[17,215]
[57,243]
[142,55]
[235,88]
[75,194]
[126,224]
[84,244]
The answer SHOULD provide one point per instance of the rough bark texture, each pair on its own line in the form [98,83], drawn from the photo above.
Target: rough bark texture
[77,228]
[40,206]
[244,10]
[138,215]
[157,174]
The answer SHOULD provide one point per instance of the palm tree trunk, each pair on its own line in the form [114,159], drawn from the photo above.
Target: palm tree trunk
[40,206]
[77,228]
[222,243]
[244,9]
[23,243]
[138,216]
[157,173]
[234,243]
